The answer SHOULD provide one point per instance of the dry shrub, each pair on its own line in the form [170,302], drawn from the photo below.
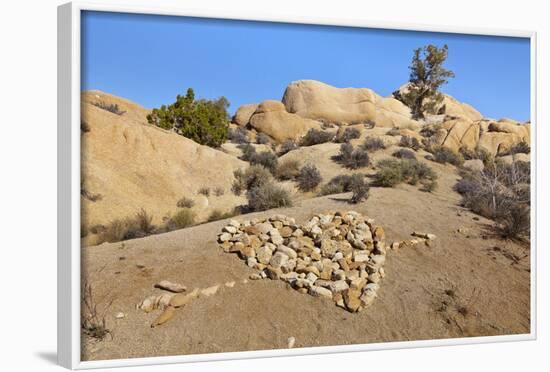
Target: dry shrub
[113,107]
[404,154]
[183,218]
[247,151]
[204,191]
[253,176]
[348,135]
[92,317]
[359,189]
[445,155]
[393,172]
[219,191]
[288,169]
[185,203]
[353,158]
[266,158]
[238,135]
[287,146]
[217,215]
[309,178]
[267,196]
[373,144]
[315,137]
[144,222]
[262,139]
[410,142]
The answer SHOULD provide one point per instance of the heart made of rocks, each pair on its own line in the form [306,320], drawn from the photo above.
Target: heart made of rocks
[335,255]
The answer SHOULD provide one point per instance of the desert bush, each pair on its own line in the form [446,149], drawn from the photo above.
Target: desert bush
[144,222]
[339,184]
[410,142]
[373,144]
[92,317]
[185,203]
[266,158]
[262,139]
[287,146]
[478,153]
[183,218]
[247,151]
[359,189]
[203,121]
[267,196]
[238,135]
[445,155]
[519,148]
[84,126]
[309,178]
[253,176]
[353,158]
[348,135]
[288,169]
[500,192]
[116,231]
[219,191]
[113,107]
[315,137]
[204,191]
[404,154]
[393,172]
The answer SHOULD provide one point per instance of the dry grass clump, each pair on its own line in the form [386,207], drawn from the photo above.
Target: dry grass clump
[84,126]
[288,169]
[92,317]
[217,215]
[185,202]
[309,178]
[138,226]
[393,172]
[204,191]
[183,218]
[219,191]
[315,137]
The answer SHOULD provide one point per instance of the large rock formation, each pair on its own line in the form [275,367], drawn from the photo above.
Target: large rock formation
[272,119]
[128,164]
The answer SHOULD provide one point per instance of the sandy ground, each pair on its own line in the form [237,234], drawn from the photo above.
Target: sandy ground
[468,284]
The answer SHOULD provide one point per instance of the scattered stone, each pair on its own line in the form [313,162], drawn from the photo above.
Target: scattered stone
[424,235]
[291,342]
[120,315]
[320,291]
[230,284]
[166,315]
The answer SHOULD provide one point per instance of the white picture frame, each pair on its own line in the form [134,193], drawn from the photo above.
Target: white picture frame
[69,186]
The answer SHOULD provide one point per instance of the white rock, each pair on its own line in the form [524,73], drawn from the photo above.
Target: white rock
[338,286]
[235,223]
[320,291]
[291,342]
[278,259]
[311,277]
[230,284]
[120,315]
[210,291]
[291,253]
[224,237]
[230,229]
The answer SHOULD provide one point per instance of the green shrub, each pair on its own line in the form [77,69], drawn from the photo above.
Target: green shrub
[445,155]
[253,176]
[183,218]
[315,137]
[185,203]
[262,139]
[204,121]
[267,196]
[410,142]
[113,107]
[288,169]
[238,135]
[204,191]
[309,178]
[287,146]
[373,144]
[348,135]
[393,172]
[266,158]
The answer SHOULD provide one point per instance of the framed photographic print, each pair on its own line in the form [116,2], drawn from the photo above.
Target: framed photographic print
[253,187]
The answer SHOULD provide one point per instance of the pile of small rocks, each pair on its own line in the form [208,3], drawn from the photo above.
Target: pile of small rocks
[335,255]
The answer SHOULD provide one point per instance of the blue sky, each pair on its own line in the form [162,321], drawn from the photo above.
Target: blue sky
[150,59]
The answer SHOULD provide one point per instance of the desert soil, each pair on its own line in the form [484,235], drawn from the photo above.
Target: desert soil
[470,283]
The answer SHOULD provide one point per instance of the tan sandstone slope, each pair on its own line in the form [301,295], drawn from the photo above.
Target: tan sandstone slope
[128,164]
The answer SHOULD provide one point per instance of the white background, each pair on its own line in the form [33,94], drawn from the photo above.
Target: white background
[28,183]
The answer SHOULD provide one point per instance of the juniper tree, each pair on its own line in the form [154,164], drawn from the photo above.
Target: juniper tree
[204,121]
[427,75]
